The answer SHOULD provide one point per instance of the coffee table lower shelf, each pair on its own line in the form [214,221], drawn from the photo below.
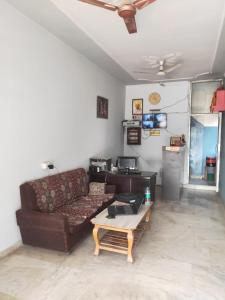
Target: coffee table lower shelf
[120,240]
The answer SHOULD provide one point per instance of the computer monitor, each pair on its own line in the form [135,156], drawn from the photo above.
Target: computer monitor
[127,162]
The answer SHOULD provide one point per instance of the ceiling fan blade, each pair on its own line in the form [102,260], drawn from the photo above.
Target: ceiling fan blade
[139,4]
[152,66]
[172,56]
[151,58]
[143,72]
[170,64]
[101,4]
[172,68]
[131,24]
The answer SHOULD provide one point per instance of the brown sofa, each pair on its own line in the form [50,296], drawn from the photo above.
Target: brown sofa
[56,210]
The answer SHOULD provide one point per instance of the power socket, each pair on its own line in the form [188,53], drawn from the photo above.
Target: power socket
[51,166]
[47,165]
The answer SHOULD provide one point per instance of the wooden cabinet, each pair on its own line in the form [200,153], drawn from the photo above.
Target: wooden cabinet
[133,136]
[126,183]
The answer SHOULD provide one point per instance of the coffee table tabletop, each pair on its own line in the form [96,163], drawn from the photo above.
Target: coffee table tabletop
[121,221]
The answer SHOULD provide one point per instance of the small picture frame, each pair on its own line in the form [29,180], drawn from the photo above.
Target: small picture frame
[137,106]
[102,107]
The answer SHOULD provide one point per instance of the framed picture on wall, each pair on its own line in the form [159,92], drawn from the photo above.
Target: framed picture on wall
[102,107]
[137,106]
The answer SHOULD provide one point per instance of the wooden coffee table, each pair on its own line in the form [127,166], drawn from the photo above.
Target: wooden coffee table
[122,233]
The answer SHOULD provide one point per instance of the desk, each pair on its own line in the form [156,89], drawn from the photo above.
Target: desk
[127,183]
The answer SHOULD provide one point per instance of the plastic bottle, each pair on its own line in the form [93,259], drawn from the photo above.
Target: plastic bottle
[147,196]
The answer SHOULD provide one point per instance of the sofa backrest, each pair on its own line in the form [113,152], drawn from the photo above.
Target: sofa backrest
[54,191]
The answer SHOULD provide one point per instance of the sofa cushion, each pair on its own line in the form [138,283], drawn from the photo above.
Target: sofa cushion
[77,182]
[57,190]
[97,188]
[50,193]
[83,208]
[76,212]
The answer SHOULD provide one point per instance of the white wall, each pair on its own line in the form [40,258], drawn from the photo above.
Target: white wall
[150,151]
[48,110]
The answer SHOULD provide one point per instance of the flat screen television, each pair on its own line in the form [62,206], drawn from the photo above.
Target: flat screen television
[154,120]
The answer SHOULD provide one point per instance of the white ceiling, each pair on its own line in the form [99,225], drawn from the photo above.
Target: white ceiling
[194,28]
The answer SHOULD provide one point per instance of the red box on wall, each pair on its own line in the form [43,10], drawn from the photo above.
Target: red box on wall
[220,101]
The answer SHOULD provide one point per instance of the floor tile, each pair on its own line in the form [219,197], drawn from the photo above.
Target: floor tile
[181,257]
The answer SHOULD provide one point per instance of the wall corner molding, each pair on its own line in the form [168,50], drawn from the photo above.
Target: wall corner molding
[10,250]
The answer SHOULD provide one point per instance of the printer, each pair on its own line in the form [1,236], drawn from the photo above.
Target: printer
[99,164]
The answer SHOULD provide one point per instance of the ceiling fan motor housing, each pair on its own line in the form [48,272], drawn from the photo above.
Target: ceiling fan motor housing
[161,65]
[127,11]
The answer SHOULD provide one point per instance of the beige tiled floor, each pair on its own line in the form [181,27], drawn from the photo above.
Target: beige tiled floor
[182,257]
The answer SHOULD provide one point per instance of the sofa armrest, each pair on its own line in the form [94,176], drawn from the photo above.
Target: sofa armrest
[42,220]
[110,189]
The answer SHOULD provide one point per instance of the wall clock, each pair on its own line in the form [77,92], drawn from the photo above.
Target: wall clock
[154,98]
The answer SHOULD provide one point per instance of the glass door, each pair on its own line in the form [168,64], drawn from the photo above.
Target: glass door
[204,137]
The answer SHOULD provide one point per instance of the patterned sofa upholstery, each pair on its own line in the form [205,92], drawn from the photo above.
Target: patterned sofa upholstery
[56,210]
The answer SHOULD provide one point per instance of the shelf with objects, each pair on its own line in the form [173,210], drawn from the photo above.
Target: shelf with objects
[134,136]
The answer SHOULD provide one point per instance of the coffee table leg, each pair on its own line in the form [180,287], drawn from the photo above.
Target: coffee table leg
[148,219]
[130,238]
[96,239]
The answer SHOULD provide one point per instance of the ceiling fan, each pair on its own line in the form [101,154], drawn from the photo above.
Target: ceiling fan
[126,10]
[164,65]
[162,71]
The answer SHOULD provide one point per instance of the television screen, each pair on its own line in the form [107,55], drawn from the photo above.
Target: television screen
[127,162]
[148,121]
[160,120]
[156,120]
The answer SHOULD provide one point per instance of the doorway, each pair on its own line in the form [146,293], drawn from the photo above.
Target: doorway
[204,156]
[203,149]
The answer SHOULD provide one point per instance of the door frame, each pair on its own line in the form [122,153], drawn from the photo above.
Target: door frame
[218,152]
[202,187]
